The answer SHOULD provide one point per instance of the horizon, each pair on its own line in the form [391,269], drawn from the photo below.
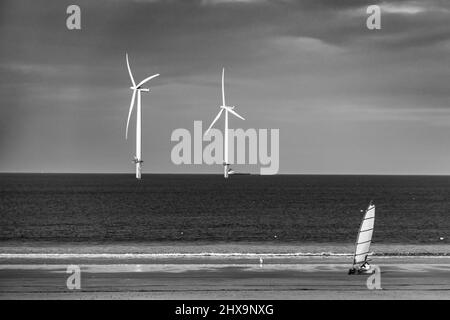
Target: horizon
[239,173]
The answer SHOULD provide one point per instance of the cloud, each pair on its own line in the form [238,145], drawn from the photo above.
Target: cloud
[310,68]
[402,8]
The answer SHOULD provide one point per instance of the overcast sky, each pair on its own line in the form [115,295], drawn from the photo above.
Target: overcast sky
[346,99]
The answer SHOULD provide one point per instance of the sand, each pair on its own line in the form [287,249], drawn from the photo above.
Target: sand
[147,277]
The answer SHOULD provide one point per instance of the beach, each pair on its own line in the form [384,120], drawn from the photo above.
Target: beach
[219,275]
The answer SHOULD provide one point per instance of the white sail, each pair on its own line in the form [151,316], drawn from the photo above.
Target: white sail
[365,235]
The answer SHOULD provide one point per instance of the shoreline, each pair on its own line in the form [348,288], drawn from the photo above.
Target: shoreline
[153,249]
[220,271]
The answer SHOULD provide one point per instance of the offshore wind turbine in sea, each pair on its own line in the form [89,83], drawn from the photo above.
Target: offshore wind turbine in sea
[137,89]
[226,165]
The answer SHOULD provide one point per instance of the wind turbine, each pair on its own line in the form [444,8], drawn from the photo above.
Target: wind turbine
[137,89]
[226,165]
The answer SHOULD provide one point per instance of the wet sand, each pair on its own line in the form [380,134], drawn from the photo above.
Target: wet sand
[222,278]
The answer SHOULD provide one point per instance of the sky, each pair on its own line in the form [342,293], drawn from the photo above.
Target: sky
[346,99]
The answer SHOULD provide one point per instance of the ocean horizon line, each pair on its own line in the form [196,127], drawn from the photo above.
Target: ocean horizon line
[239,174]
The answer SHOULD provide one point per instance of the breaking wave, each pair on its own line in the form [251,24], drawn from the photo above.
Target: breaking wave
[201,255]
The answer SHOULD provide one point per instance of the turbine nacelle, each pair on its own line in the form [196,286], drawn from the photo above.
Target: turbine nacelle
[140,89]
[227,107]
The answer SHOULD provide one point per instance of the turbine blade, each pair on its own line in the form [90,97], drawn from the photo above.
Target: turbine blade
[214,121]
[129,112]
[223,87]
[129,71]
[147,79]
[235,113]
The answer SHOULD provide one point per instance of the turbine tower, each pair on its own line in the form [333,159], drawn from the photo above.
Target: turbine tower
[137,89]
[226,165]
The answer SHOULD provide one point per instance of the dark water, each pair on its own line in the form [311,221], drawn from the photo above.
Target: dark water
[297,208]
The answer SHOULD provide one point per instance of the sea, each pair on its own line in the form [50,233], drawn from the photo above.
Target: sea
[109,209]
